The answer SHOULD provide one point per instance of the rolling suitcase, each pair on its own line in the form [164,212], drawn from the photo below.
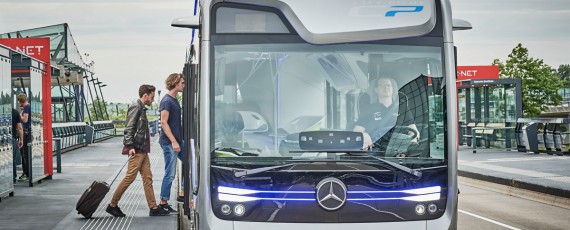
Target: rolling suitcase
[92,197]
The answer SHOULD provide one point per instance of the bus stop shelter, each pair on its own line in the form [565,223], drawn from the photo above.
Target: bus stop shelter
[488,110]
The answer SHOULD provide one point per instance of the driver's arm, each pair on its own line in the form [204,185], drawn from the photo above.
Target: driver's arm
[358,128]
[367,140]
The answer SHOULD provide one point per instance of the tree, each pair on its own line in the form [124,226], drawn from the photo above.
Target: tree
[539,84]
[99,114]
[563,73]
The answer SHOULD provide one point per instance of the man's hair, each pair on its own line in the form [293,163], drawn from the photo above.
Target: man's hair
[146,89]
[22,97]
[172,80]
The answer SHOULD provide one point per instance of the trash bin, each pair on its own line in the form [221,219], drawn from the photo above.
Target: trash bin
[530,137]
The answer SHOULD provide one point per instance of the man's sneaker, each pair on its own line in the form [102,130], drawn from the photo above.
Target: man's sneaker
[167,207]
[115,211]
[158,212]
[180,199]
[23,178]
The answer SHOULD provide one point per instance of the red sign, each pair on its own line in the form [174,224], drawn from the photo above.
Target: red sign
[477,72]
[39,48]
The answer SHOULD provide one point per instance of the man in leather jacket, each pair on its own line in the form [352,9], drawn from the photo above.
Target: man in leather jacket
[136,127]
[137,142]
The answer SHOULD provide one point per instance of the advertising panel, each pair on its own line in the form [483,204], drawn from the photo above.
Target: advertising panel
[39,48]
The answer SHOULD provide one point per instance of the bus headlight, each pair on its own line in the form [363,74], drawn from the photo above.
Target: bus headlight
[226,210]
[432,208]
[239,209]
[420,209]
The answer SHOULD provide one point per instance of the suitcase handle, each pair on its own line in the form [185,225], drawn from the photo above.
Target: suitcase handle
[119,173]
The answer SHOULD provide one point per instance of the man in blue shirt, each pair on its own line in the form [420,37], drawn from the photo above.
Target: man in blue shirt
[27,125]
[171,137]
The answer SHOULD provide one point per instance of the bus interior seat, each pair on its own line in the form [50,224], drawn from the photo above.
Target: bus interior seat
[303,123]
[229,125]
[253,122]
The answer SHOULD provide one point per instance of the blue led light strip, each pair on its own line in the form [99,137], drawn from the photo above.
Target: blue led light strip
[240,191]
[417,191]
[241,195]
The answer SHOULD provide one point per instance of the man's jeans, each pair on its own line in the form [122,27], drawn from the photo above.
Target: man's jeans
[170,168]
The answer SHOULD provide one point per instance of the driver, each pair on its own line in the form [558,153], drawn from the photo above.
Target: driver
[384,113]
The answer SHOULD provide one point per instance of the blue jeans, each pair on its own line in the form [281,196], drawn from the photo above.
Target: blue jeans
[170,168]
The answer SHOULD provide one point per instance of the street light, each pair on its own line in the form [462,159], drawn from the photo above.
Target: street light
[92,100]
[102,98]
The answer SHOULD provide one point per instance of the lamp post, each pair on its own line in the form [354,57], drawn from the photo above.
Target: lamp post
[102,98]
[97,95]
[92,100]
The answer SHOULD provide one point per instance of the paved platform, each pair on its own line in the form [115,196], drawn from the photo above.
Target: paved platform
[549,174]
[51,204]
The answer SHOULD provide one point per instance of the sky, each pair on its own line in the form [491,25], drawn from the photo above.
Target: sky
[132,43]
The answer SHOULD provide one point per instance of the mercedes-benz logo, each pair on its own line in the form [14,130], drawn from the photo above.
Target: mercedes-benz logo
[331,193]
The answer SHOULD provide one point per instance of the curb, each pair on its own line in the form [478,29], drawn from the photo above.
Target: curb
[516,184]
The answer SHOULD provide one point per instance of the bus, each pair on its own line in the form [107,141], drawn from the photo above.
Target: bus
[321,114]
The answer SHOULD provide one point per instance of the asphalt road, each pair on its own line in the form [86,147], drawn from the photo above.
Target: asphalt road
[483,209]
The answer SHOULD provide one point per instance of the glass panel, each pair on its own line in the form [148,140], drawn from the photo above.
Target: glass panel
[473,108]
[565,93]
[481,95]
[73,54]
[497,104]
[266,94]
[35,100]
[6,158]
[510,103]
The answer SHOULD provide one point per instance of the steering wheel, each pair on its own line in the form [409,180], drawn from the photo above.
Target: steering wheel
[406,130]
[397,141]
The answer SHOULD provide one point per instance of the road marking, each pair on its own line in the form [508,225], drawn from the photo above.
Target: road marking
[489,220]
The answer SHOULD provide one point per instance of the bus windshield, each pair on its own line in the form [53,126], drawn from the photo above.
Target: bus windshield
[303,102]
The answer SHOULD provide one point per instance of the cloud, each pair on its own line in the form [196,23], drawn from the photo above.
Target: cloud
[130,41]
[498,26]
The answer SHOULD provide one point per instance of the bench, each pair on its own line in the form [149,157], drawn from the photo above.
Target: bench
[486,132]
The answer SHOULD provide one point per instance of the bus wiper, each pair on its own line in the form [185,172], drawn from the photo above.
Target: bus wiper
[349,151]
[234,152]
[413,172]
[259,170]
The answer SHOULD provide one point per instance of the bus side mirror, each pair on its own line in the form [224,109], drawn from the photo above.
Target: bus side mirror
[192,22]
[460,24]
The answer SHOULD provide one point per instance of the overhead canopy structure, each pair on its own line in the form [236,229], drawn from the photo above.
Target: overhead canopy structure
[63,50]
[68,93]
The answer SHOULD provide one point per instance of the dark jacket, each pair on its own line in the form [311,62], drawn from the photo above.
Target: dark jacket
[136,127]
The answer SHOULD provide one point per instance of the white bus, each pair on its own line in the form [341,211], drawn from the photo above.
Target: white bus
[322,114]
